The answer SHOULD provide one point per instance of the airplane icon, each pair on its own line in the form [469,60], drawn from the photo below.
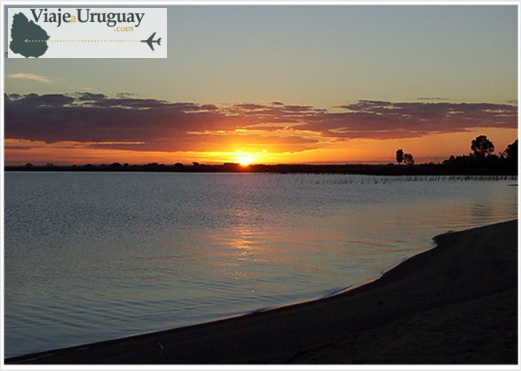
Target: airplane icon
[150,40]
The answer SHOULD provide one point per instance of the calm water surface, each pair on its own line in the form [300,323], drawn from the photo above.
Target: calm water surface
[97,256]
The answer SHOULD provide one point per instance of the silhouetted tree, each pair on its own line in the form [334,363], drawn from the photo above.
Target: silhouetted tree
[399,156]
[482,146]
[510,155]
[511,151]
[408,159]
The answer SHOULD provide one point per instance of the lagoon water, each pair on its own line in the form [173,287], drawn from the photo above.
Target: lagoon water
[98,256]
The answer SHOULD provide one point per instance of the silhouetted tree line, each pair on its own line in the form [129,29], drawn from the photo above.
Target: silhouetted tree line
[483,156]
[390,169]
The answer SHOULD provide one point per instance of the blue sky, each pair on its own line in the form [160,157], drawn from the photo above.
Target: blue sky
[320,55]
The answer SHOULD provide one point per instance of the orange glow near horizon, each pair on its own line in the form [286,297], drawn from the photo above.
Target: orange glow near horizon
[432,148]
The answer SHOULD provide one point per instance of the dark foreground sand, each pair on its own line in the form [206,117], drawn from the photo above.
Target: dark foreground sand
[454,304]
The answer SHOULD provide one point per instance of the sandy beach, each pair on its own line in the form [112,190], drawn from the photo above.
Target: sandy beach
[454,304]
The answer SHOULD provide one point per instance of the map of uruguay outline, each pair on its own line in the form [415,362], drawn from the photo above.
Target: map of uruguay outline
[24,29]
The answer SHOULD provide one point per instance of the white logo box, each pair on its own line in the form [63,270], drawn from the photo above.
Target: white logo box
[88,32]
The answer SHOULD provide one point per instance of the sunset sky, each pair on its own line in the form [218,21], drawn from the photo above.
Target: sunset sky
[278,84]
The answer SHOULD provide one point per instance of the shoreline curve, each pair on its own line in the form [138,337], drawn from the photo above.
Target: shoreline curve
[467,272]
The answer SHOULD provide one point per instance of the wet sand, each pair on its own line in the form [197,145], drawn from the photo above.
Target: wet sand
[454,304]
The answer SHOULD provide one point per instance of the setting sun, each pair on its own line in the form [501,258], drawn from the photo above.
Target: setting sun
[245,160]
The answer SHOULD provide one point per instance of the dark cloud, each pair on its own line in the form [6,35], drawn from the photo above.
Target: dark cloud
[209,107]
[49,119]
[126,122]
[12,96]
[299,108]
[129,103]
[251,107]
[125,95]
[385,120]
[91,97]
[47,100]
